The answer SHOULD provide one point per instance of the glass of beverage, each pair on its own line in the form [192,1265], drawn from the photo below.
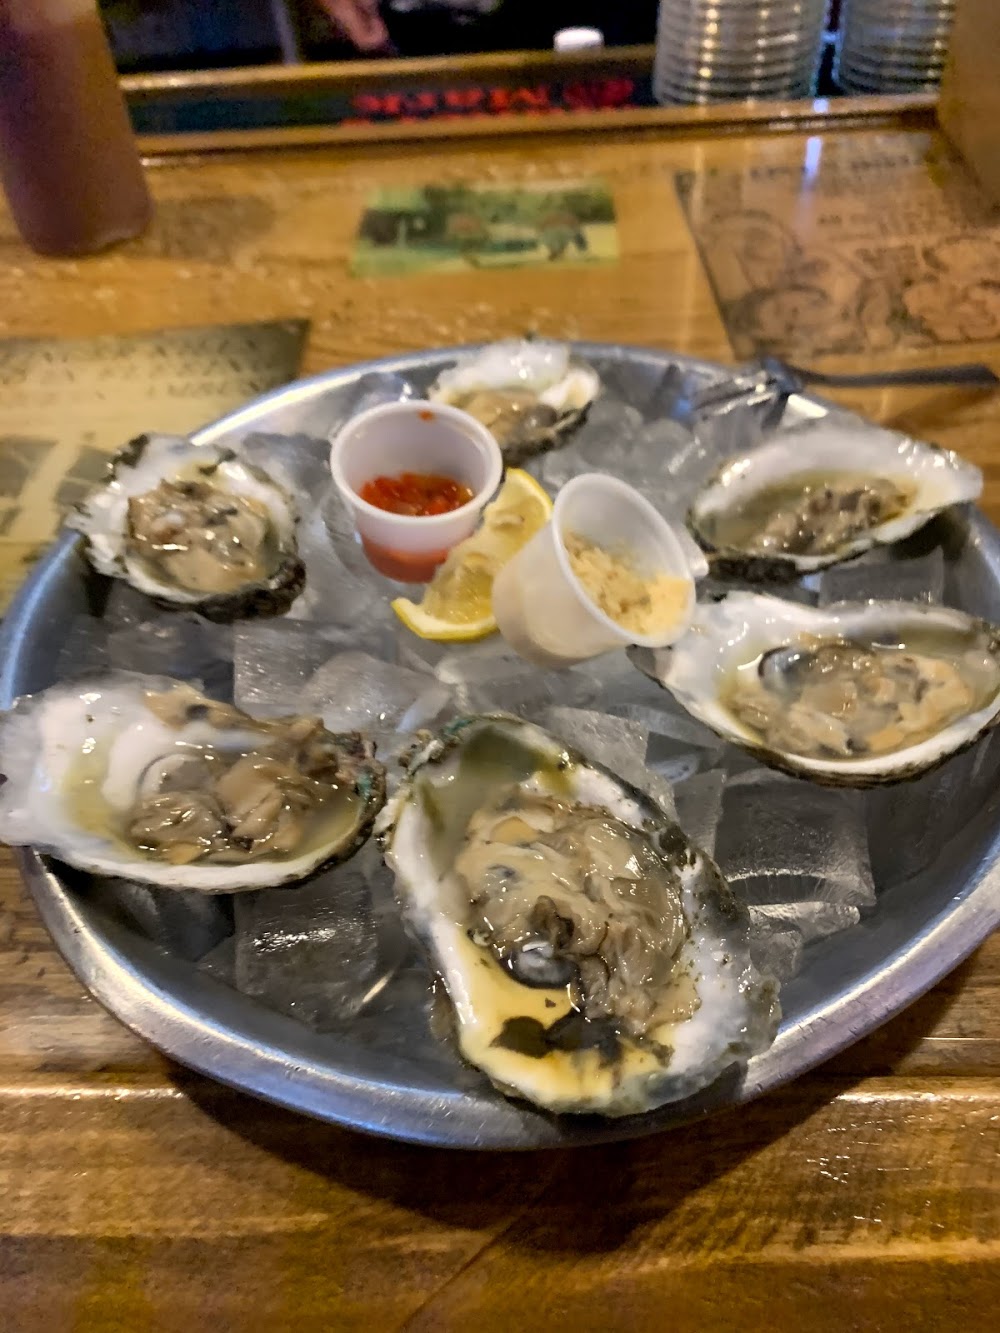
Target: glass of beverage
[68,159]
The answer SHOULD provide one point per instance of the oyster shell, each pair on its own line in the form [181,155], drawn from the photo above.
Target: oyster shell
[143,778]
[595,960]
[815,495]
[853,694]
[529,394]
[194,526]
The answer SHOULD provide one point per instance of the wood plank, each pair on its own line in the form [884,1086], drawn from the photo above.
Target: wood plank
[405,71]
[811,116]
[301,1224]
[805,1214]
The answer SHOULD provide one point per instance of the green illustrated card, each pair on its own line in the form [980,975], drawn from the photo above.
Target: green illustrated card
[456,228]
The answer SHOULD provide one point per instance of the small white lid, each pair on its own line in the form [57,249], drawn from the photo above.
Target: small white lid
[578,39]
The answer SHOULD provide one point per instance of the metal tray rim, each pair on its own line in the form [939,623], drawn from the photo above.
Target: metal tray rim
[416,1116]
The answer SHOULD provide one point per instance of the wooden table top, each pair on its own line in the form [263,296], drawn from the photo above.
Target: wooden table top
[136,1195]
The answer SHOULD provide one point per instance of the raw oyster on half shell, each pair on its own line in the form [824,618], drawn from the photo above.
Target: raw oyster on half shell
[595,960]
[815,495]
[194,526]
[855,694]
[144,778]
[529,394]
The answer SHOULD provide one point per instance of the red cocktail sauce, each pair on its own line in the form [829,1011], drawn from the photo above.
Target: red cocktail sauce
[416,495]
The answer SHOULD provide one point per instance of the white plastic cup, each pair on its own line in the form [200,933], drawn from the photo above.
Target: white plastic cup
[543,610]
[414,436]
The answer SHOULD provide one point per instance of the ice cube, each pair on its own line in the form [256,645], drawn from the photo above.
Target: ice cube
[782,840]
[141,636]
[179,644]
[607,439]
[627,692]
[123,607]
[780,933]
[638,383]
[313,951]
[679,747]
[744,411]
[616,744]
[719,433]
[341,587]
[914,825]
[662,443]
[699,807]
[675,724]
[813,920]
[883,578]
[408,1027]
[415,653]
[182,921]
[778,953]
[489,677]
[299,463]
[371,389]
[646,461]
[83,650]
[341,535]
[220,962]
[355,691]
[276,659]
[556,467]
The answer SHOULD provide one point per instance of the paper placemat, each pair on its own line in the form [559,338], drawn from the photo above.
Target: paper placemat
[868,245]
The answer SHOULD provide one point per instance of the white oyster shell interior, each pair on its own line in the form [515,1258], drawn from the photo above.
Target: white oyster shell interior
[101,736]
[103,516]
[936,478]
[732,634]
[734,1014]
[541,368]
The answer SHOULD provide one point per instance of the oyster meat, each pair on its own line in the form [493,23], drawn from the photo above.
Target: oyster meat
[595,960]
[814,495]
[194,526]
[144,778]
[529,394]
[854,694]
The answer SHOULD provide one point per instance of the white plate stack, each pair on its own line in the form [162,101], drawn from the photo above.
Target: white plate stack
[893,46]
[733,50]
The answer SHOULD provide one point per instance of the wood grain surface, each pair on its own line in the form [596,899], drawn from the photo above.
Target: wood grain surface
[135,1195]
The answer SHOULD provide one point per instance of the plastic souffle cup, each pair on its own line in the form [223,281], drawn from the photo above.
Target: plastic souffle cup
[543,610]
[414,436]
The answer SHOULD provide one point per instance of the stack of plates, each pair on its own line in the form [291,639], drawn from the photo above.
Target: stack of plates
[725,50]
[893,46]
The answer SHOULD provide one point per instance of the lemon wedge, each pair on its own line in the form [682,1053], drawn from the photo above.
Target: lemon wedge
[457,603]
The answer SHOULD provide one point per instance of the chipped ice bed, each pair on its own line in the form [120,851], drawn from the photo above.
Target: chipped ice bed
[313,996]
